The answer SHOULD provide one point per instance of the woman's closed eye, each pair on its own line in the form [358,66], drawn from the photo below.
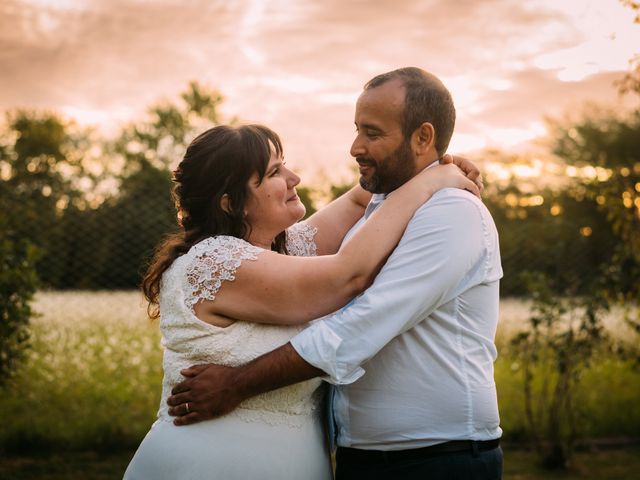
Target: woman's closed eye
[277,170]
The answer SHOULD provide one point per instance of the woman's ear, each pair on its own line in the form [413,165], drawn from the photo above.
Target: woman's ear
[225,203]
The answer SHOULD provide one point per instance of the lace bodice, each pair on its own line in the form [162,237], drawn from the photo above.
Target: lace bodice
[187,340]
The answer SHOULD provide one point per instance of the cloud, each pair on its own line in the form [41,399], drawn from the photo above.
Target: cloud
[538,93]
[300,64]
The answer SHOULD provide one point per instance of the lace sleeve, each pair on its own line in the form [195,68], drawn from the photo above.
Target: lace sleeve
[301,240]
[213,261]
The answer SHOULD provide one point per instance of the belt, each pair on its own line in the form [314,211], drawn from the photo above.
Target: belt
[357,455]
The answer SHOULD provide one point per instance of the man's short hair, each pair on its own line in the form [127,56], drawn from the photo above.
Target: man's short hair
[427,100]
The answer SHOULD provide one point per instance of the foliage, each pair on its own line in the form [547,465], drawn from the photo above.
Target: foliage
[160,140]
[133,220]
[96,209]
[92,378]
[97,352]
[306,197]
[611,143]
[560,341]
[559,233]
[38,158]
[631,81]
[18,283]
[574,287]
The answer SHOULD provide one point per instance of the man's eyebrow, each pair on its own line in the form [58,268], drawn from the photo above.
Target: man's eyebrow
[368,126]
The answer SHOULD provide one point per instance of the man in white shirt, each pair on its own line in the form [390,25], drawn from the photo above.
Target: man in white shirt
[423,332]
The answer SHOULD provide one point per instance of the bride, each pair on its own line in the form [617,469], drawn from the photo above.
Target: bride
[240,279]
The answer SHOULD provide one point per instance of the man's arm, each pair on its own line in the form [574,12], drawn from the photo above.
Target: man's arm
[443,245]
[449,246]
[214,390]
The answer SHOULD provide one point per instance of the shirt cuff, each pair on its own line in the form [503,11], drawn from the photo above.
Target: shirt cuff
[318,345]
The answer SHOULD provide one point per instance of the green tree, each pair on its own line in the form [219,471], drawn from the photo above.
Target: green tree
[160,140]
[610,144]
[556,231]
[131,221]
[18,281]
[41,161]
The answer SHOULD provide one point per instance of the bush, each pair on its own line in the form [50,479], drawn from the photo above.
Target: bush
[557,347]
[18,283]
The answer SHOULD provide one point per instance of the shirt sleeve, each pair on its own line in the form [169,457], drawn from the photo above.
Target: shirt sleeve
[446,249]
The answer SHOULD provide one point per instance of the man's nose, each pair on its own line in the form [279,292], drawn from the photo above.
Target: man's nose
[357,147]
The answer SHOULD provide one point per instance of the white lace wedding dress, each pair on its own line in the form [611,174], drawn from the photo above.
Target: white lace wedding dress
[278,435]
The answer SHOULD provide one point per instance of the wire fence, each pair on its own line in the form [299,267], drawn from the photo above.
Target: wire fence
[108,247]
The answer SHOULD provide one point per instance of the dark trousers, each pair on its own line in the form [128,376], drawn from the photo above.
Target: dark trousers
[465,465]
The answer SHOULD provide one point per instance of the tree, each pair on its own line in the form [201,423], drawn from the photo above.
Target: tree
[160,140]
[131,221]
[631,81]
[41,160]
[609,144]
[18,281]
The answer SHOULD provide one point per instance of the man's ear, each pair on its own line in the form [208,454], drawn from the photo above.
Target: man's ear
[423,138]
[225,203]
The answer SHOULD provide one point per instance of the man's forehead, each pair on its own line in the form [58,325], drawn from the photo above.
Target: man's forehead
[391,93]
[383,102]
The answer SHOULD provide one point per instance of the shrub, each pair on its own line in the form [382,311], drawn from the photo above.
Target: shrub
[17,285]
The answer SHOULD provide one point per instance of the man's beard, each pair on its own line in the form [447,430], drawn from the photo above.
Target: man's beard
[390,172]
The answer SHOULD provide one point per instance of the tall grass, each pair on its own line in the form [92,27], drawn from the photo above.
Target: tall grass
[93,375]
[92,378]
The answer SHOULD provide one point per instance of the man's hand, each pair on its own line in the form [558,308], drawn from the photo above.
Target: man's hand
[208,392]
[213,390]
[467,166]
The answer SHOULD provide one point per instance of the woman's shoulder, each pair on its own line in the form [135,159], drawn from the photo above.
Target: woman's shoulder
[222,244]
[216,256]
[301,240]
[211,262]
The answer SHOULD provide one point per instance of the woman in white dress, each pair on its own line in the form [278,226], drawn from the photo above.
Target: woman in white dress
[240,279]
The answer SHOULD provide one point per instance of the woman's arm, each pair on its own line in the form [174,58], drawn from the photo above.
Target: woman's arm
[281,289]
[335,219]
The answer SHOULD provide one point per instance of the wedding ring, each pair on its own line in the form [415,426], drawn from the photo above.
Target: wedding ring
[187,405]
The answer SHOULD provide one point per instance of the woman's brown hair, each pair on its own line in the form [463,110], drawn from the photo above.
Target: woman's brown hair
[219,161]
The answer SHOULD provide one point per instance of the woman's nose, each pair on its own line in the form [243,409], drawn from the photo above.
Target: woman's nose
[293,179]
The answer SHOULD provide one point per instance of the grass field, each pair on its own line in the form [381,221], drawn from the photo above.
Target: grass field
[91,385]
[619,464]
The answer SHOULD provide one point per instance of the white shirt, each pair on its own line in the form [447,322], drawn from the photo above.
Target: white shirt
[423,333]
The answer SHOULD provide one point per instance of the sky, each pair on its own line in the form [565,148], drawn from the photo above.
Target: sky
[298,66]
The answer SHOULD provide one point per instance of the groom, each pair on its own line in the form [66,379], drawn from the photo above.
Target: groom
[423,332]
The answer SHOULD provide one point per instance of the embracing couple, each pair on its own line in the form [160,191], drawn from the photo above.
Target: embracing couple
[405,280]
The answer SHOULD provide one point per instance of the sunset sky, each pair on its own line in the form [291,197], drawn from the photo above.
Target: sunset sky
[299,65]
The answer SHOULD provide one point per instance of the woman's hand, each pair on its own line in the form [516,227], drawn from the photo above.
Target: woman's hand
[467,166]
[447,176]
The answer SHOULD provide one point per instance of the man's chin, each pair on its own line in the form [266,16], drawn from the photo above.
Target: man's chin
[367,184]
[372,185]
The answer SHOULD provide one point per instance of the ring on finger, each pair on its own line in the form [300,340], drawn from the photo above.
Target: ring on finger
[187,405]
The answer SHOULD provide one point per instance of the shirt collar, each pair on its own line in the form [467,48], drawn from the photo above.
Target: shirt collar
[375,202]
